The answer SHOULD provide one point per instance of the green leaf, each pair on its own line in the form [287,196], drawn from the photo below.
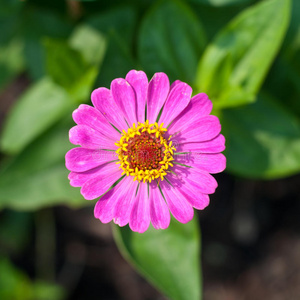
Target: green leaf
[283,80]
[74,65]
[245,49]
[64,64]
[37,177]
[171,40]
[168,258]
[89,42]
[262,140]
[73,74]
[38,108]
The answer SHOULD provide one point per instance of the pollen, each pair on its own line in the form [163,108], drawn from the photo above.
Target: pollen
[144,153]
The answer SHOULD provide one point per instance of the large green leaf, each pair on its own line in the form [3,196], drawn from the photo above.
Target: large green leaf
[37,177]
[263,140]
[234,66]
[168,258]
[37,109]
[171,40]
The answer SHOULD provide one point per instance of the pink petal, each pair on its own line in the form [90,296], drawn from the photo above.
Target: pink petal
[90,116]
[125,98]
[139,82]
[215,145]
[201,180]
[97,186]
[177,101]
[159,212]
[140,214]
[79,178]
[212,163]
[158,91]
[203,130]
[190,192]
[180,208]
[106,206]
[174,84]
[90,138]
[198,107]
[102,99]
[124,205]
[81,159]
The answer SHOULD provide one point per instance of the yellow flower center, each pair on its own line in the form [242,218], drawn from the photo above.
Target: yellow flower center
[144,153]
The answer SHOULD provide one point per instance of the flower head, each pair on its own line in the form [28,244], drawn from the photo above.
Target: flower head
[147,149]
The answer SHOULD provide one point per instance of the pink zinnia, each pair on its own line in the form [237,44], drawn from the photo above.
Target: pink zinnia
[147,149]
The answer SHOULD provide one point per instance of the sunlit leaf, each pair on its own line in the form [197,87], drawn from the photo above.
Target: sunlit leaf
[283,80]
[89,42]
[245,48]
[37,109]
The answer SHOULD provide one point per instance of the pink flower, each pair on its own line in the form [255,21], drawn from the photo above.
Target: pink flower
[147,149]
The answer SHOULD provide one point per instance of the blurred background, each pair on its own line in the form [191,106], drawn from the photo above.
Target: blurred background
[244,54]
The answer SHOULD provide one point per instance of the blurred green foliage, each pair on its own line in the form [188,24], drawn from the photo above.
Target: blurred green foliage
[245,54]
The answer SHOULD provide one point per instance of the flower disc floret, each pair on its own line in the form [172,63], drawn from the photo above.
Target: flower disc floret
[144,152]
